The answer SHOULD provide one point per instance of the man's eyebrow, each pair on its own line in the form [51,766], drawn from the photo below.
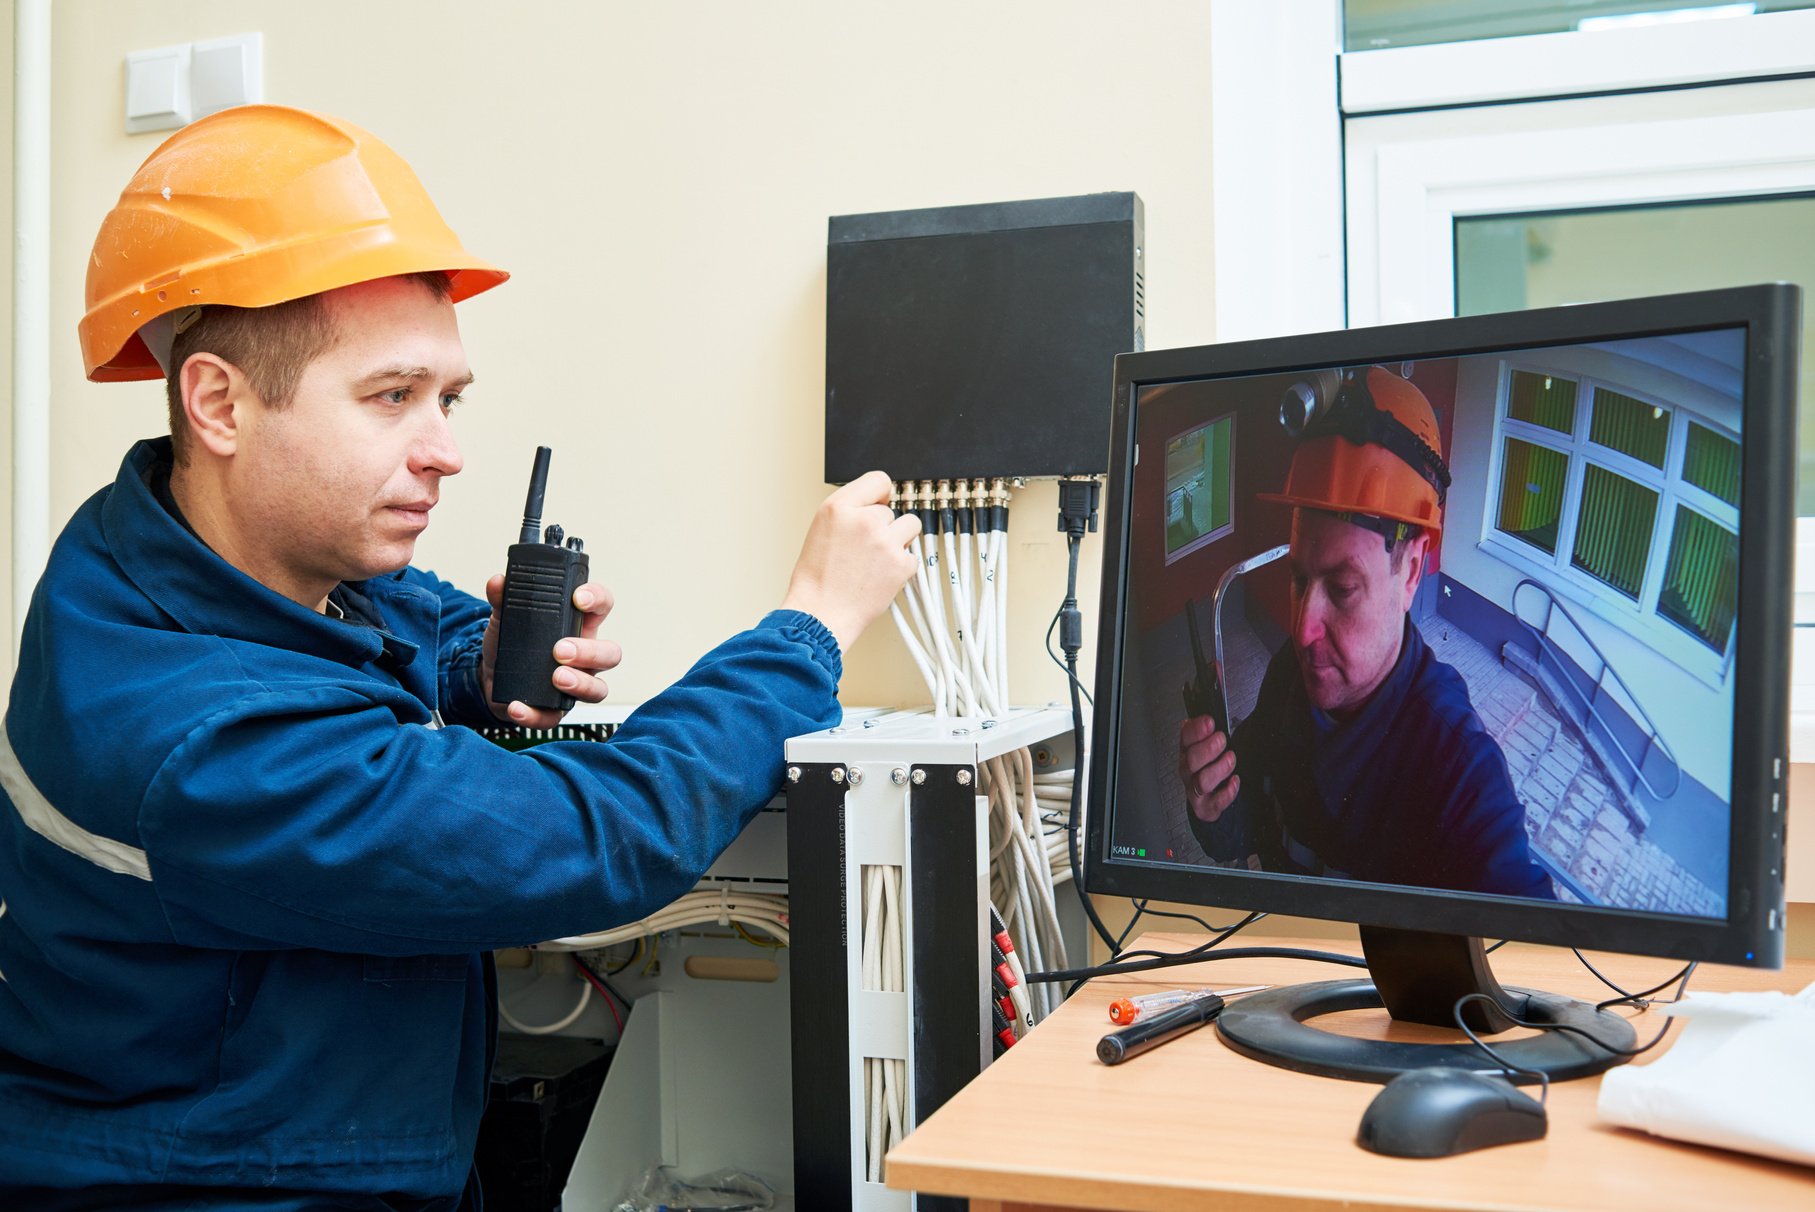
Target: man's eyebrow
[391,374]
[1347,564]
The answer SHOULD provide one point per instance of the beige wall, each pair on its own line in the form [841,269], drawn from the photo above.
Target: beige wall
[658,178]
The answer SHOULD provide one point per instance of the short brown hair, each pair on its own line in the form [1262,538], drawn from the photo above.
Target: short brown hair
[270,345]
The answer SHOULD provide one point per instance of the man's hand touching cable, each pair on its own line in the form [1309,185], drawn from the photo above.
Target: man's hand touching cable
[581,658]
[1206,765]
[855,559]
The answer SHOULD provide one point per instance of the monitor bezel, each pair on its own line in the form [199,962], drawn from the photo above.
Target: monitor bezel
[1752,933]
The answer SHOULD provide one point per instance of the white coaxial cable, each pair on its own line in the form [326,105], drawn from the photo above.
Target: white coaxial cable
[1033,824]
[921,661]
[960,696]
[957,558]
[918,612]
[875,928]
[1001,538]
[992,614]
[911,592]
[572,1017]
[987,634]
[959,624]
[895,971]
[932,594]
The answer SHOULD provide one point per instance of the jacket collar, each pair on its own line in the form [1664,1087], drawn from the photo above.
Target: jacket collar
[208,596]
[1339,750]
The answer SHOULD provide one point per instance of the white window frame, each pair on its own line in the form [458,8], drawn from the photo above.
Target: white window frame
[1278,218]
[1448,74]
[1636,616]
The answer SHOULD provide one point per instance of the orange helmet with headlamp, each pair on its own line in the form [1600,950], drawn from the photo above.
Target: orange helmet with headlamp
[250,207]
[1370,449]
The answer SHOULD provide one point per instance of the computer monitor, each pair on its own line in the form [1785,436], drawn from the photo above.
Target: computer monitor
[1498,609]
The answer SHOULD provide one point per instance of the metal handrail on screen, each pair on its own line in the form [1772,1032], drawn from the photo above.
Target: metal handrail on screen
[1590,703]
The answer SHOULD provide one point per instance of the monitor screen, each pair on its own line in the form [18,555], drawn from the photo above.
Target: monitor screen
[1476,625]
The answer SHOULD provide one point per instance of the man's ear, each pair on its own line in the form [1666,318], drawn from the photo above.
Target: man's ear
[1417,551]
[213,391]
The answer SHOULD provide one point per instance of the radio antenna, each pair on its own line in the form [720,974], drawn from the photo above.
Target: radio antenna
[538,487]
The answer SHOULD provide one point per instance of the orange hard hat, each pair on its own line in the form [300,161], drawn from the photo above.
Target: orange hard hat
[253,206]
[1374,451]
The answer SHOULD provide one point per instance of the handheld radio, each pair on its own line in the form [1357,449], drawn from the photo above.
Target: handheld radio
[540,577]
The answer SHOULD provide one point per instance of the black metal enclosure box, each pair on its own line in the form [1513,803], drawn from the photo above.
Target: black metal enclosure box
[979,340]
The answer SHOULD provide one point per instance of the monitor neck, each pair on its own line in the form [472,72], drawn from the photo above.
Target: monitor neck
[1420,975]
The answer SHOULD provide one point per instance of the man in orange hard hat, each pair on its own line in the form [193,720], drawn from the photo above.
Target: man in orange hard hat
[1364,758]
[252,866]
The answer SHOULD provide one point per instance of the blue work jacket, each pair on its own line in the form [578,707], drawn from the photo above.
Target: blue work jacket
[249,880]
[1409,790]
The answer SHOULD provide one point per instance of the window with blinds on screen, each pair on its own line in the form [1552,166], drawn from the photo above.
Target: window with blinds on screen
[1631,495]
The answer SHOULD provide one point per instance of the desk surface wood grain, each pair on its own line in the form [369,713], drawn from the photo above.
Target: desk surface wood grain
[1194,1125]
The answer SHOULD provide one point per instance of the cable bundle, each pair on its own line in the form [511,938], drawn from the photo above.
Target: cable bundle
[720,905]
[884,970]
[961,651]
[953,617]
[1024,848]
[1008,986]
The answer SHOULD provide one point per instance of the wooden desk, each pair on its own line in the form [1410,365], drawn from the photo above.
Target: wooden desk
[1194,1125]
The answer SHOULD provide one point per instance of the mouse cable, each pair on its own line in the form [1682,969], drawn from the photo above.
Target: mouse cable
[1602,1044]
[1508,1066]
[1641,998]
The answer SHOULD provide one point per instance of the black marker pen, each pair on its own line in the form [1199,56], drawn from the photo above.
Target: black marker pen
[1118,1046]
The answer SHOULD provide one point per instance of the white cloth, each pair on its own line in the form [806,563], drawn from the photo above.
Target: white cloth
[1741,1075]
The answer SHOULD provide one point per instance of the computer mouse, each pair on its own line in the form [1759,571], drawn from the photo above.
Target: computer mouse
[1438,1112]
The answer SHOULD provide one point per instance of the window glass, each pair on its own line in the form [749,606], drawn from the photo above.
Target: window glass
[1546,400]
[1512,262]
[1378,24]
[1701,579]
[1531,493]
[1632,427]
[1613,529]
[1711,463]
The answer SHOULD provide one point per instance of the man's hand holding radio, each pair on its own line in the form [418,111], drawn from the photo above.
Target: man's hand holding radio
[1206,765]
[582,658]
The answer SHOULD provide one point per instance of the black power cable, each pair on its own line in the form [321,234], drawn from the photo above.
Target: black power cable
[1077,514]
[1147,961]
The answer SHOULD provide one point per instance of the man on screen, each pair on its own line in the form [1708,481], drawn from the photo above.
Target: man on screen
[1364,758]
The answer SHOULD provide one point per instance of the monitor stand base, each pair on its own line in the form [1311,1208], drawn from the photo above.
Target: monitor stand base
[1418,976]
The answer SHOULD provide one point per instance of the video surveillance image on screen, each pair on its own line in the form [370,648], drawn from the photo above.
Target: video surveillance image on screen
[1464,623]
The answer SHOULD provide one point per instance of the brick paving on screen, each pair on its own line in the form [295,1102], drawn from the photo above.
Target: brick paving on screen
[1571,813]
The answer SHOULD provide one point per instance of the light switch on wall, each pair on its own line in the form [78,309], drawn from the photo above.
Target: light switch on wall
[173,85]
[225,72]
[157,89]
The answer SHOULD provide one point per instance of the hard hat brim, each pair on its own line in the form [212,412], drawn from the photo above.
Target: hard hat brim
[1430,522]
